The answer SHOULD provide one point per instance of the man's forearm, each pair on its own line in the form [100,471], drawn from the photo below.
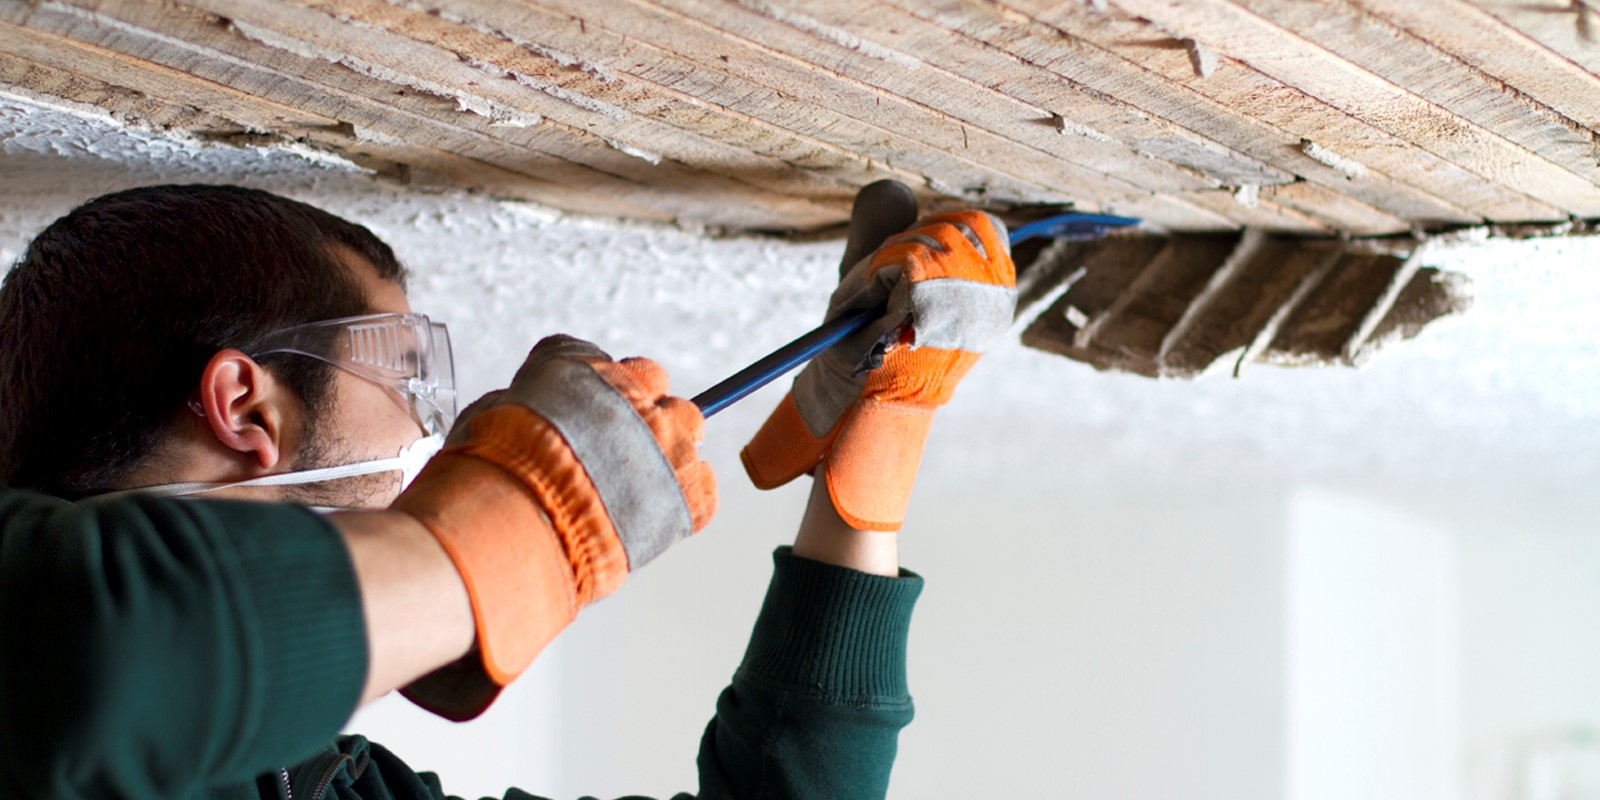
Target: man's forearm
[825,537]
[416,608]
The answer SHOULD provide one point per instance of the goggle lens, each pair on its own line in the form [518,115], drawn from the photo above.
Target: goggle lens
[405,352]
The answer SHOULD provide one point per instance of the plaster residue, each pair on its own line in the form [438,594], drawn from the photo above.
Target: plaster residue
[43,128]
[1067,127]
[1202,58]
[1322,155]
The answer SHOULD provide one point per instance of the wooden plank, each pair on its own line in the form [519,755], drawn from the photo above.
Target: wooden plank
[565,76]
[1422,68]
[1525,64]
[688,131]
[1259,212]
[702,196]
[1568,27]
[1119,53]
[672,155]
[85,73]
[1117,62]
[1238,34]
[138,99]
[632,57]
[192,41]
[1173,212]
[924,71]
[688,52]
[1355,216]
[379,122]
[993,71]
[165,81]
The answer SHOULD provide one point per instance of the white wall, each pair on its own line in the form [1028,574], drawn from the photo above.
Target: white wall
[1531,647]
[1373,691]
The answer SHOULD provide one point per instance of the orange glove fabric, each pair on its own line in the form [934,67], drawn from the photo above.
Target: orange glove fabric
[863,409]
[546,496]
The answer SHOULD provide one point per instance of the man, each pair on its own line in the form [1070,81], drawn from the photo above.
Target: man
[229,343]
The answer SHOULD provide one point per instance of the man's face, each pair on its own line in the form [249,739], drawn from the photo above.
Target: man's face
[361,421]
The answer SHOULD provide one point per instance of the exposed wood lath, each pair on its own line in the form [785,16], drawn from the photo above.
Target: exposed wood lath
[1182,306]
[1340,116]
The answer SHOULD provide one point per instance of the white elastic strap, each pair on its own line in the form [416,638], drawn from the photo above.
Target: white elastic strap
[409,462]
[281,479]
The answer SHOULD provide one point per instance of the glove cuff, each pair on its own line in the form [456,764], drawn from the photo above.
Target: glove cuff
[784,448]
[873,462]
[519,518]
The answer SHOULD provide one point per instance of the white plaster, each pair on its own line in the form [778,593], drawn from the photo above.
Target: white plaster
[1067,127]
[1349,166]
[1203,58]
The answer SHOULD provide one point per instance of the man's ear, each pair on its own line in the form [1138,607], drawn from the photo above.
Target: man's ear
[244,406]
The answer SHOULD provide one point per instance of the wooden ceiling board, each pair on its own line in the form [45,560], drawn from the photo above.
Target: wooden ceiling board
[907,129]
[1404,177]
[1333,117]
[83,73]
[1501,52]
[1303,62]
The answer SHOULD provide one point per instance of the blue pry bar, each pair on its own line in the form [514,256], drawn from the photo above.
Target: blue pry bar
[1073,227]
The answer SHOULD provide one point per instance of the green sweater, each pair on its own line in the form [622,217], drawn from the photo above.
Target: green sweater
[158,649]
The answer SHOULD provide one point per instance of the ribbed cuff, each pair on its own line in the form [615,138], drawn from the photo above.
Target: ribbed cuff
[310,654]
[831,631]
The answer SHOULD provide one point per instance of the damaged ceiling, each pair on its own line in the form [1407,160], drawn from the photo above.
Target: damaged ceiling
[1188,304]
[1506,395]
[1354,117]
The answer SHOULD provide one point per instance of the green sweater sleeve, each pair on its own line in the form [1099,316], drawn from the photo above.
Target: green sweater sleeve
[815,710]
[152,648]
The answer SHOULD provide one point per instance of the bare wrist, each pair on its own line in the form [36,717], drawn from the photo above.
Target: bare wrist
[825,537]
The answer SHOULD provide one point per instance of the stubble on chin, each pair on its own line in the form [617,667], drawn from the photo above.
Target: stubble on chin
[322,449]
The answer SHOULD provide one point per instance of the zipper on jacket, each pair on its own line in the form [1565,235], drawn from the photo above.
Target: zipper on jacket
[357,767]
[283,775]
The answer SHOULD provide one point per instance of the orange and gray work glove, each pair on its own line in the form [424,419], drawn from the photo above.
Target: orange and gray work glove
[547,495]
[862,409]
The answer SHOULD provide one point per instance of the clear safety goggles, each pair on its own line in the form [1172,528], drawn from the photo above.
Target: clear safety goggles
[407,353]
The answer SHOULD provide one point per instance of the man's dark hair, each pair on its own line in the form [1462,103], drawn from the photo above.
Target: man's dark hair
[110,316]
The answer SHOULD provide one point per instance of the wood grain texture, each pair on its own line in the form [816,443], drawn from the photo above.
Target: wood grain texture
[1299,60]
[1117,54]
[1426,69]
[84,73]
[1304,117]
[1523,64]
